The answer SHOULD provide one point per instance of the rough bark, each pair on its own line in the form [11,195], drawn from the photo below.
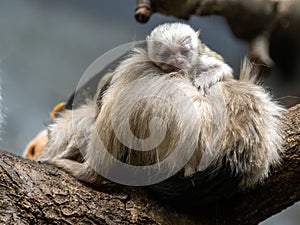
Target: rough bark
[35,193]
[263,23]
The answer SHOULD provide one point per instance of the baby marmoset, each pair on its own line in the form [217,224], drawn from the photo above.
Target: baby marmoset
[141,109]
[176,46]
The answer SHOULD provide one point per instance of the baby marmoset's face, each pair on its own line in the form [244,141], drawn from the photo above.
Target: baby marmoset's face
[172,57]
[173,47]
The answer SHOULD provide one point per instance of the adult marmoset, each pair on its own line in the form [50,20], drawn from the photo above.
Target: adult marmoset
[147,116]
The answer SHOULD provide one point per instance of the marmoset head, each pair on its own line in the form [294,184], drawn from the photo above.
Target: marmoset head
[173,46]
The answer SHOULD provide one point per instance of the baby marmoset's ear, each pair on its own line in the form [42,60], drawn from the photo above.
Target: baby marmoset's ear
[198,32]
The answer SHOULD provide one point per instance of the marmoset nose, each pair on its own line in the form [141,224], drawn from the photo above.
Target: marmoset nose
[179,61]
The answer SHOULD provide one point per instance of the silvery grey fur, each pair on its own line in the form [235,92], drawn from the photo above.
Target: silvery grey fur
[237,121]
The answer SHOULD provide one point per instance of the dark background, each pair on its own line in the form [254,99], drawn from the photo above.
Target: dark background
[46,45]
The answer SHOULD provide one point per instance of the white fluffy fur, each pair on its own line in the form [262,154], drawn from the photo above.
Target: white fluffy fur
[175,33]
[203,66]
[237,122]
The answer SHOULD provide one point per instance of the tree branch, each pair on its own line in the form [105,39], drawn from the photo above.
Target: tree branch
[259,22]
[35,193]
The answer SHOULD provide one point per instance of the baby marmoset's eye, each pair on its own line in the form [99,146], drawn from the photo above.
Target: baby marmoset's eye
[165,54]
[185,52]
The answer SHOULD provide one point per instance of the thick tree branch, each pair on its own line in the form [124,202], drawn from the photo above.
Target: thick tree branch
[35,193]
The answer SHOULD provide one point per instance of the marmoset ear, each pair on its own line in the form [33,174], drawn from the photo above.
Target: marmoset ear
[198,33]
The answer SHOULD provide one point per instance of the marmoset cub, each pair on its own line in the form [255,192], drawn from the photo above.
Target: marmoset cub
[176,46]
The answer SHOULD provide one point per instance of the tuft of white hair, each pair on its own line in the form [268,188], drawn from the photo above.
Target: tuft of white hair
[174,32]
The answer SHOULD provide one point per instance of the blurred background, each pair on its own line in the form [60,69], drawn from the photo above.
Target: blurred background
[46,45]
